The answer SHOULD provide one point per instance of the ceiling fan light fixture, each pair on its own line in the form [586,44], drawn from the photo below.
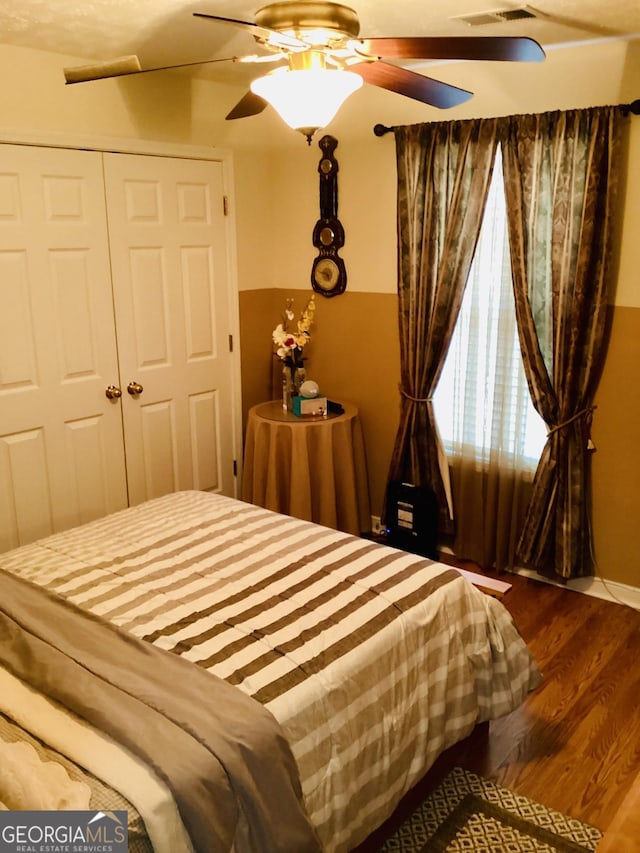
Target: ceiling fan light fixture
[307,99]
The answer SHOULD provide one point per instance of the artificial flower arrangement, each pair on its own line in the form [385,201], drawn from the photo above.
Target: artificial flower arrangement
[290,343]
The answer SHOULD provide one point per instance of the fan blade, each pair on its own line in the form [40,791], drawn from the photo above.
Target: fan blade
[99,70]
[250,105]
[500,48]
[126,66]
[262,34]
[413,85]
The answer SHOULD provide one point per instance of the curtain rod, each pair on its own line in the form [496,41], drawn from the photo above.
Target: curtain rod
[633,107]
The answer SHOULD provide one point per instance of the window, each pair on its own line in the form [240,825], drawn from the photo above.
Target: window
[482,402]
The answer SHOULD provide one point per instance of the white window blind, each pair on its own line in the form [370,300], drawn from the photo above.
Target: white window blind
[482,402]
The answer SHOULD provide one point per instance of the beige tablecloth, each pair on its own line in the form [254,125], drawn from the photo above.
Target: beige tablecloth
[314,469]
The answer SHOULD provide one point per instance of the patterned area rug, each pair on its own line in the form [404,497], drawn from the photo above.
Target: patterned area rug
[467,813]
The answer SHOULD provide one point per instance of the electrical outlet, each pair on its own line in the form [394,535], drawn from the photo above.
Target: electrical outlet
[377,527]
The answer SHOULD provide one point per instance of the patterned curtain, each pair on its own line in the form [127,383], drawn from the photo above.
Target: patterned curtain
[444,170]
[492,434]
[560,176]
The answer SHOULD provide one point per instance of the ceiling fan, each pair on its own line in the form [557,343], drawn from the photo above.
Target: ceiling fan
[320,55]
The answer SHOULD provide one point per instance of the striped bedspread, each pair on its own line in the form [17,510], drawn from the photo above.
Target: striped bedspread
[373,661]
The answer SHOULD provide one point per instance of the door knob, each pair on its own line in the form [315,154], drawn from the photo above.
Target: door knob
[113,393]
[135,388]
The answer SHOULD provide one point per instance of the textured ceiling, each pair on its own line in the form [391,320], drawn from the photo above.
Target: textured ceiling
[164,32]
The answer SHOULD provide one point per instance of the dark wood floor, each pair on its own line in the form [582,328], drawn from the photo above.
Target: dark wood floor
[575,743]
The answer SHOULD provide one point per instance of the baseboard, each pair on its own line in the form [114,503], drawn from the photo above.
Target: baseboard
[619,593]
[597,587]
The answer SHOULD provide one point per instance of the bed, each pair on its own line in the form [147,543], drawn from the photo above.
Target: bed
[370,661]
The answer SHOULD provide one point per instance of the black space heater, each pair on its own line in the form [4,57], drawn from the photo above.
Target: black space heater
[412,519]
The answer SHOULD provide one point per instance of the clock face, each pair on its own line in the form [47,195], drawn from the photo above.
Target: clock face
[326,274]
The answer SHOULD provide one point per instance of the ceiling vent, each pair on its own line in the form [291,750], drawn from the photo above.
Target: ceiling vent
[497,16]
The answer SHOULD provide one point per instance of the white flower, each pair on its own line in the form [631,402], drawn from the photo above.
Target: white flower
[279,335]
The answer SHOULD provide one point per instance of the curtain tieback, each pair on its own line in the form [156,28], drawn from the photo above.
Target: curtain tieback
[581,414]
[415,399]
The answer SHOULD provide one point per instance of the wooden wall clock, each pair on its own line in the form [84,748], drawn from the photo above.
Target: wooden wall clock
[328,274]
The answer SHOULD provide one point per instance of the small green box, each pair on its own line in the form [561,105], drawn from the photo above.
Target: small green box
[310,407]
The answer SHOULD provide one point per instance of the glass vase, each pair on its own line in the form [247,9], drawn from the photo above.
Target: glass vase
[292,379]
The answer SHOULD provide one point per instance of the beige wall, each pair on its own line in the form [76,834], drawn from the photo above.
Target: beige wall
[616,461]
[354,352]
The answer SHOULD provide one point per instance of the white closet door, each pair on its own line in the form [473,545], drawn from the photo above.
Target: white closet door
[171,286]
[61,449]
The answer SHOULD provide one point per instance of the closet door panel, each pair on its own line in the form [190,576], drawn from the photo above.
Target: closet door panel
[171,286]
[25,499]
[57,346]
[160,450]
